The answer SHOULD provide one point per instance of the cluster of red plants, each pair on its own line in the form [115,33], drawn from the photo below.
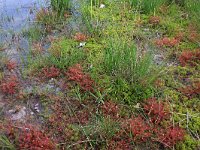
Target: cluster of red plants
[10,65]
[33,139]
[51,72]
[156,111]
[192,90]
[168,42]
[58,124]
[9,85]
[154,20]
[140,129]
[151,128]
[80,37]
[29,138]
[119,144]
[111,109]
[169,137]
[76,74]
[190,58]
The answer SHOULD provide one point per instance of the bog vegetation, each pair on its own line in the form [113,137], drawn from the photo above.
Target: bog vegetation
[127,78]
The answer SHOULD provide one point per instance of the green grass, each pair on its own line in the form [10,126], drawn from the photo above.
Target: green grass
[34,33]
[60,6]
[118,55]
[65,53]
[122,60]
[61,54]
[147,6]
[192,6]
[5,144]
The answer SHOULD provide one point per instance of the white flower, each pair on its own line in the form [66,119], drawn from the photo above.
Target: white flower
[102,6]
[82,44]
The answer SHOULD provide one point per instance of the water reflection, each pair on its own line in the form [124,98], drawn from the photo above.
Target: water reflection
[15,17]
[16,14]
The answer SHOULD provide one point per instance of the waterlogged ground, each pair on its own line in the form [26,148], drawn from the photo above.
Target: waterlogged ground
[99,75]
[16,17]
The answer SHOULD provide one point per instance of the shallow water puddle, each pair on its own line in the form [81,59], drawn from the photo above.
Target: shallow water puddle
[15,17]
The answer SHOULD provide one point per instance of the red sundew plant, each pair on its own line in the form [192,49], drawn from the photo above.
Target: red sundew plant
[189,58]
[169,137]
[140,130]
[167,42]
[151,129]
[51,72]
[10,65]
[28,137]
[191,91]
[156,111]
[33,139]
[119,145]
[75,73]
[80,37]
[111,109]
[10,85]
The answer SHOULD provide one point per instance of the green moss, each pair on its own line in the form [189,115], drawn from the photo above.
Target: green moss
[65,53]
[189,144]
[127,93]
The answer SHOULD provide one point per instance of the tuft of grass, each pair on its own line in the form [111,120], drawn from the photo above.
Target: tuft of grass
[60,6]
[122,60]
[147,6]
[5,144]
[102,127]
[34,33]
[192,6]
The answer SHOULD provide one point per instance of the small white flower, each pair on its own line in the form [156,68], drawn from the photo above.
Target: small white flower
[91,66]
[137,105]
[82,44]
[102,6]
